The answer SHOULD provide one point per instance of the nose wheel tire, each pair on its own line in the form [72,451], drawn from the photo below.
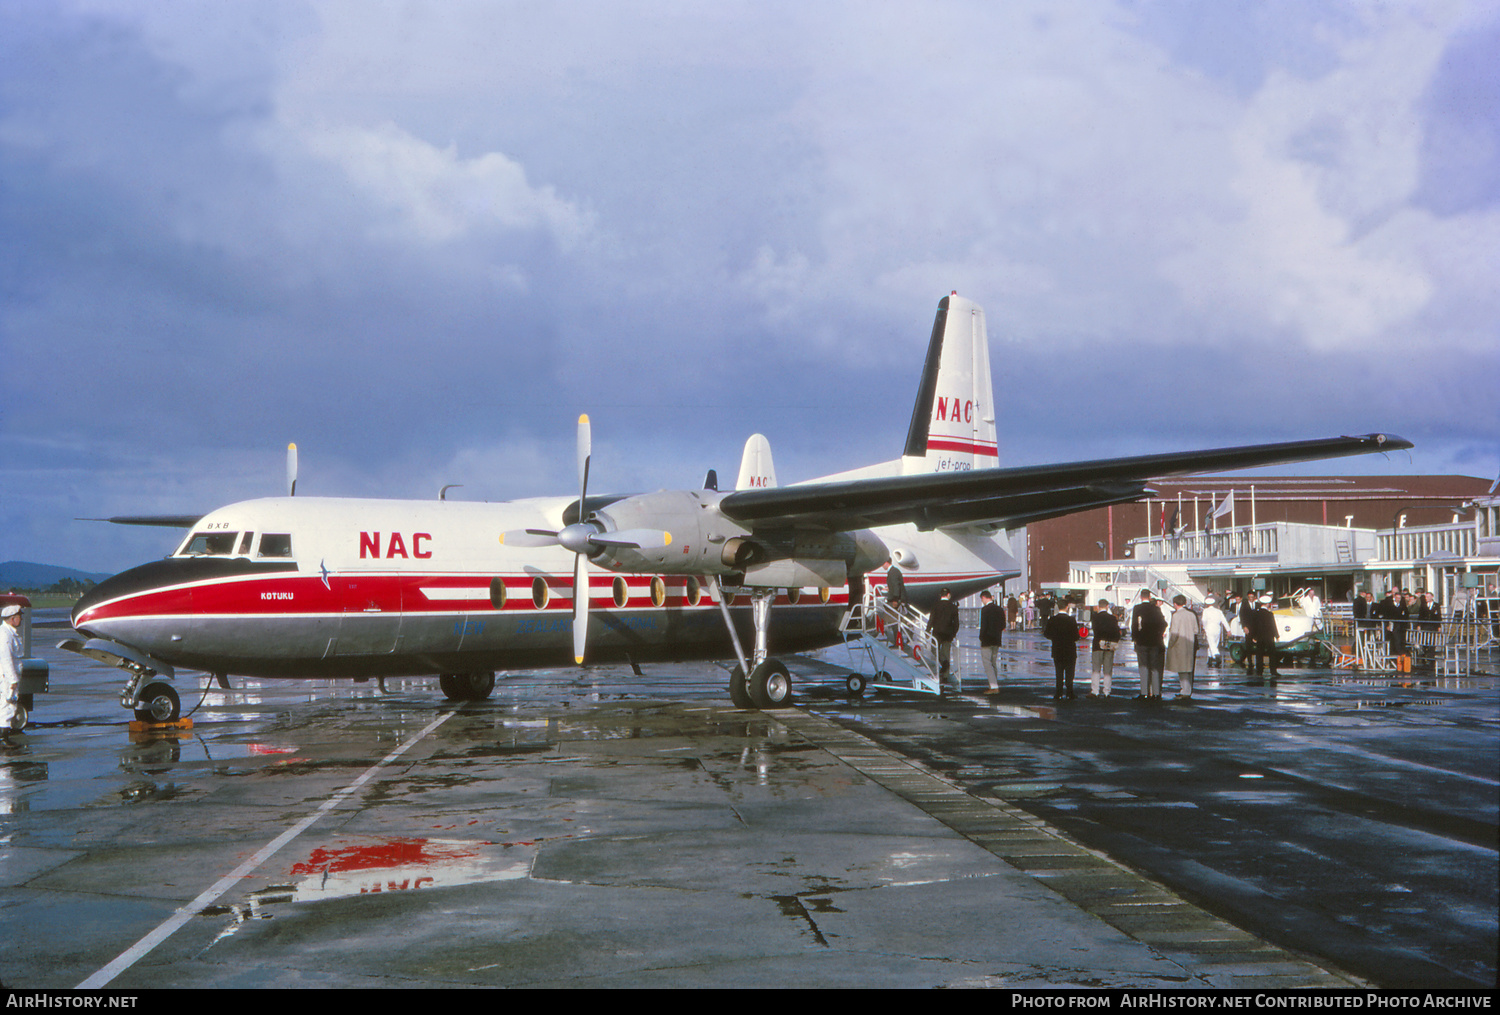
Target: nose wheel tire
[158,703]
[770,685]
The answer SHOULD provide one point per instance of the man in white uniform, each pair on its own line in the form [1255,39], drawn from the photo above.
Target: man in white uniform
[10,667]
[1215,627]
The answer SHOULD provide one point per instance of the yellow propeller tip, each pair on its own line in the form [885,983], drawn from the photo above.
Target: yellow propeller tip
[669,538]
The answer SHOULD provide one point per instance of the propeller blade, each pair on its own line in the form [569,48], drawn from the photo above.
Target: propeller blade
[580,606]
[585,450]
[291,470]
[635,539]
[528,537]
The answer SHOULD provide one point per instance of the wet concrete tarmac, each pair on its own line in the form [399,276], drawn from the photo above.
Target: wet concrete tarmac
[592,828]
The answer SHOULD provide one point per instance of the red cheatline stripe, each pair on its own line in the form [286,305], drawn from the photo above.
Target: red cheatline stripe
[986,450]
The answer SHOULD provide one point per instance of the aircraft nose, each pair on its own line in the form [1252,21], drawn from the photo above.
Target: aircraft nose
[144,578]
[84,606]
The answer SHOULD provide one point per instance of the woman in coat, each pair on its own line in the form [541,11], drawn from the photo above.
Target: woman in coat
[1182,645]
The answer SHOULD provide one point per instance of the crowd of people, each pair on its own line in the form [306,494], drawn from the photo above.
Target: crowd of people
[1165,637]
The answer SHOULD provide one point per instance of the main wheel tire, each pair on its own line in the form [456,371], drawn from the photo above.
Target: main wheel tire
[158,703]
[481,684]
[475,686]
[770,685]
[739,690]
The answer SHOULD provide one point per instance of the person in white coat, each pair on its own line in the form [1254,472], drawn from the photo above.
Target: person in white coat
[1215,627]
[10,667]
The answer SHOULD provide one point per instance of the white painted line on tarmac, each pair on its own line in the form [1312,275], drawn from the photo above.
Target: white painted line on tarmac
[172,924]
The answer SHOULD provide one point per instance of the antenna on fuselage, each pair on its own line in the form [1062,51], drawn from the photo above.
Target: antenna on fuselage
[443,493]
[291,470]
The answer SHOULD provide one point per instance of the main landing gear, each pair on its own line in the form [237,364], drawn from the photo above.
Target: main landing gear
[767,684]
[475,686]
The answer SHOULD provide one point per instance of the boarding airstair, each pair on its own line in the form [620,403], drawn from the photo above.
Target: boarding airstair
[893,638]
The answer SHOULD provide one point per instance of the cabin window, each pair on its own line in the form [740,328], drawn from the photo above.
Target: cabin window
[540,593]
[792,595]
[693,592]
[621,591]
[658,592]
[497,593]
[213,544]
[276,544]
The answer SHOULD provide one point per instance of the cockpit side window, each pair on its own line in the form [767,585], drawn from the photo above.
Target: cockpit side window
[276,544]
[214,544]
[244,549]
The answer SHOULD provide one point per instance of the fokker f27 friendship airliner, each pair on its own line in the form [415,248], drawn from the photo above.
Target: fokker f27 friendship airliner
[338,587]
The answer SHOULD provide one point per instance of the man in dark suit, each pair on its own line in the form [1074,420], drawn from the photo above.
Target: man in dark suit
[991,633]
[1148,629]
[1261,638]
[1062,632]
[943,624]
[895,595]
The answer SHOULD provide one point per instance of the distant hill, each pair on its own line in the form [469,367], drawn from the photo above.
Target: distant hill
[21,574]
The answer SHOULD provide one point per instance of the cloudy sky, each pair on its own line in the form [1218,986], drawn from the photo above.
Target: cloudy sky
[420,238]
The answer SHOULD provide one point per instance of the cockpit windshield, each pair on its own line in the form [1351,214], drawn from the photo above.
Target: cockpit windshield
[213,544]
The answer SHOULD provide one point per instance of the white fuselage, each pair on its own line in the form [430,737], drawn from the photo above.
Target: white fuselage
[329,587]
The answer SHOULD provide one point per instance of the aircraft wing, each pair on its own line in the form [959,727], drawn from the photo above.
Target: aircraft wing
[1013,497]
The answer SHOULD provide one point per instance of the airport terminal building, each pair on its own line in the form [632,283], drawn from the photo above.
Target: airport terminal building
[1334,534]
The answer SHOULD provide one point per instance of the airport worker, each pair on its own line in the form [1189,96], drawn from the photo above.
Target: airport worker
[1215,630]
[1261,638]
[1182,645]
[943,624]
[1106,641]
[991,633]
[10,668]
[1147,630]
[1062,632]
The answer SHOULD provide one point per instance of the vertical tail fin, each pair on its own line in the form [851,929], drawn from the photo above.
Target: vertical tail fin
[953,421]
[756,469]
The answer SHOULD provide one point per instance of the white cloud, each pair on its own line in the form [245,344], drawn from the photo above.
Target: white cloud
[437,196]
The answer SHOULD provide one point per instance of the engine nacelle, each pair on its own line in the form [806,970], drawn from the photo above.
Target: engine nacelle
[700,534]
[705,542]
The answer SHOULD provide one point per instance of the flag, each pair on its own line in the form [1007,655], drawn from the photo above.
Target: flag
[1172,525]
[1225,507]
